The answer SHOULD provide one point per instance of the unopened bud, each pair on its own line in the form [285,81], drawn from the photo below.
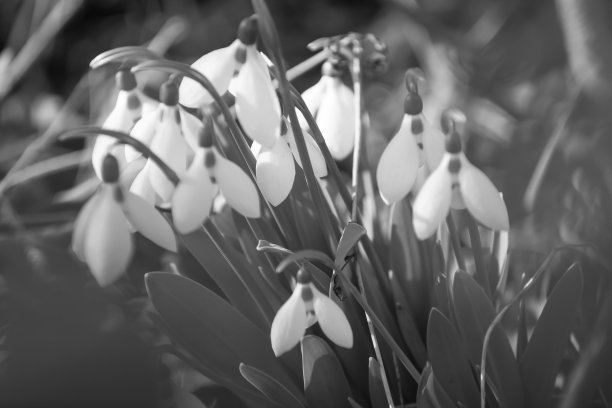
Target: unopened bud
[248,30]
[110,169]
[304,277]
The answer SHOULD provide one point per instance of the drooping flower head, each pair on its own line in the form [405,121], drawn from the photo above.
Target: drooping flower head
[332,104]
[457,183]
[306,306]
[102,235]
[208,173]
[415,150]
[127,110]
[257,105]
[169,131]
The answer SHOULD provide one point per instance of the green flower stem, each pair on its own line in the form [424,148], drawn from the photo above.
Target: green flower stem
[125,139]
[306,65]
[358,125]
[455,242]
[487,338]
[122,54]
[380,326]
[481,269]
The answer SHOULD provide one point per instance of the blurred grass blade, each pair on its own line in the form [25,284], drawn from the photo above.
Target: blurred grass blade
[271,388]
[351,235]
[474,312]
[376,387]
[542,358]
[211,329]
[449,361]
[324,381]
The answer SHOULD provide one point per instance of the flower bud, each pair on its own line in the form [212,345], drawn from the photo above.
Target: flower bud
[248,30]
[304,277]
[413,104]
[110,169]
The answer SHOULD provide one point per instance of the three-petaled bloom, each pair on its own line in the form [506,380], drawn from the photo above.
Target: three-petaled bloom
[457,183]
[415,150]
[275,169]
[171,133]
[208,173]
[102,234]
[305,307]
[333,105]
[131,103]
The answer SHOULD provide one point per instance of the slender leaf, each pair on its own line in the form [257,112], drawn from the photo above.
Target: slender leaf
[449,361]
[473,313]
[541,360]
[324,381]
[272,388]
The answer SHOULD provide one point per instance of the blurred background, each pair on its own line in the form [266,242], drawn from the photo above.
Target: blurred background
[533,77]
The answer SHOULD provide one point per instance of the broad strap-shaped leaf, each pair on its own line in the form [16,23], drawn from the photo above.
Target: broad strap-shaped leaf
[272,388]
[430,394]
[324,381]
[539,364]
[211,329]
[449,361]
[474,312]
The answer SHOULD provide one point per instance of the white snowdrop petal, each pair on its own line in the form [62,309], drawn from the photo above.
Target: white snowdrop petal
[108,246]
[289,324]
[148,104]
[170,146]
[256,149]
[148,221]
[336,118]
[142,186]
[143,131]
[218,66]
[482,198]
[193,197]
[312,97]
[237,188]
[314,153]
[433,202]
[398,165]
[275,172]
[434,145]
[131,171]
[257,105]
[190,126]
[83,220]
[332,320]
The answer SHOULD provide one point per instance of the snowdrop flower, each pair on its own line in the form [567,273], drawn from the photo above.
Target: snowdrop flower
[332,105]
[257,106]
[459,184]
[102,234]
[169,132]
[275,169]
[208,173]
[128,109]
[415,150]
[305,307]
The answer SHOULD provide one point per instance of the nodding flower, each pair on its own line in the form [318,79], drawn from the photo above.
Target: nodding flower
[131,103]
[275,168]
[102,235]
[457,183]
[306,306]
[257,106]
[333,106]
[208,173]
[415,150]
[171,133]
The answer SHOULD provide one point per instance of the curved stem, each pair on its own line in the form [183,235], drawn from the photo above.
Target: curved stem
[125,139]
[121,54]
[358,101]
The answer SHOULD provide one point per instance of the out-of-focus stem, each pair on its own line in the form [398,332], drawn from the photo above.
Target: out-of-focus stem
[358,99]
